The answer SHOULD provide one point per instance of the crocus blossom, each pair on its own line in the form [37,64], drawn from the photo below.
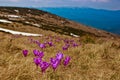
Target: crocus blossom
[75,44]
[50,43]
[42,46]
[38,53]
[65,47]
[25,53]
[54,62]
[37,60]
[44,66]
[59,56]
[66,61]
[37,42]
[35,52]
[66,41]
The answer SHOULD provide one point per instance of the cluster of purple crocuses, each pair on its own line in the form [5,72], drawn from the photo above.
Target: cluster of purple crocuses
[54,62]
[57,60]
[51,41]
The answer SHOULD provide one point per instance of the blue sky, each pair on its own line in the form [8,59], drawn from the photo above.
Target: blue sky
[101,4]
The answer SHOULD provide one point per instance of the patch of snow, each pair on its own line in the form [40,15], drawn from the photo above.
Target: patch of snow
[27,22]
[37,25]
[29,10]
[19,33]
[5,21]
[13,16]
[74,35]
[16,11]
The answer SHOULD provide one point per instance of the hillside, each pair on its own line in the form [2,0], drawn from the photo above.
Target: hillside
[54,48]
[43,20]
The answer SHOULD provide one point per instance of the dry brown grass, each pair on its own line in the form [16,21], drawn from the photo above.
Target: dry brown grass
[90,61]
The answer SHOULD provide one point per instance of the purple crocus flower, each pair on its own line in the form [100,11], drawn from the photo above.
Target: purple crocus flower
[37,42]
[54,62]
[37,60]
[50,43]
[75,44]
[42,46]
[57,40]
[59,56]
[66,61]
[71,41]
[66,41]
[40,54]
[65,47]
[44,66]
[35,52]
[45,42]
[25,53]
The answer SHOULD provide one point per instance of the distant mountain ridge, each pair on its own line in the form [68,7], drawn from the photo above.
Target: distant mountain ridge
[108,20]
[37,21]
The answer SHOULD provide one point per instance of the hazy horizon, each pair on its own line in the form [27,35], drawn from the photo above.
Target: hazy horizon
[64,7]
[97,4]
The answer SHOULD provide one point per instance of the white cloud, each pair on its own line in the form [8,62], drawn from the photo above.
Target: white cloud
[14,0]
[100,0]
[90,0]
